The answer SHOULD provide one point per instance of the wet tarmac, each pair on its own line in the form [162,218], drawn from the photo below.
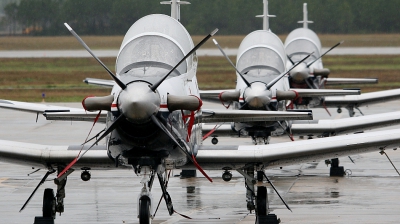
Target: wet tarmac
[368,194]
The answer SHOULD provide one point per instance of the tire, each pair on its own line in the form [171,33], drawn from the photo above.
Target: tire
[49,203]
[144,210]
[214,141]
[261,201]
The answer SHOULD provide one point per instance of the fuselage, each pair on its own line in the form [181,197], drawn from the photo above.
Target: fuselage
[150,49]
[260,59]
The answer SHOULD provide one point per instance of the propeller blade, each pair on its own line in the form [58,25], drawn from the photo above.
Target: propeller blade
[119,82]
[226,56]
[325,53]
[270,84]
[106,132]
[158,83]
[284,130]
[37,187]
[284,202]
[190,157]
[290,59]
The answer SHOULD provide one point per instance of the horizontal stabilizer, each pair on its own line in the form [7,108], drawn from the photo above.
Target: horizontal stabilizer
[325,92]
[363,99]
[99,82]
[345,125]
[340,81]
[214,116]
[76,116]
[213,95]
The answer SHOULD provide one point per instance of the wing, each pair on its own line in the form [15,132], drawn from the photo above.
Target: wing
[35,107]
[345,125]
[54,112]
[212,95]
[363,99]
[214,116]
[297,152]
[325,92]
[340,81]
[76,116]
[44,155]
[100,82]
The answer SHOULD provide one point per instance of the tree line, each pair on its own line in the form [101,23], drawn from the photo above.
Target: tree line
[232,17]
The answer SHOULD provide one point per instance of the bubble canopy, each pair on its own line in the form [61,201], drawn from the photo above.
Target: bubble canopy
[152,46]
[301,42]
[261,56]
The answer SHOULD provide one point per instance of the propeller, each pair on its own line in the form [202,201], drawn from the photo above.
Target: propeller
[106,132]
[301,74]
[270,84]
[139,103]
[190,157]
[309,64]
[226,56]
[155,86]
[257,95]
[119,82]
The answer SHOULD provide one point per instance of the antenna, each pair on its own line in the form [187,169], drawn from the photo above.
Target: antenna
[305,17]
[265,16]
[175,7]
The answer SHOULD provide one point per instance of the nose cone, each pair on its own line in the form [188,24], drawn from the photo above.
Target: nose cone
[257,95]
[300,73]
[138,102]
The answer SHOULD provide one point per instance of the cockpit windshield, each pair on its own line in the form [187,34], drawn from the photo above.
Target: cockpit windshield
[148,55]
[300,48]
[260,64]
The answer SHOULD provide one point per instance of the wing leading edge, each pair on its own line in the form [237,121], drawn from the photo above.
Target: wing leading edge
[290,153]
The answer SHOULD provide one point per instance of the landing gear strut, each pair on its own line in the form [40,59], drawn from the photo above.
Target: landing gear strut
[53,203]
[261,140]
[145,199]
[261,206]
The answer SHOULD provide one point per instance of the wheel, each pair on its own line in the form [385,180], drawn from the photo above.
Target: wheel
[85,175]
[261,201]
[49,203]
[227,176]
[339,110]
[144,210]
[214,141]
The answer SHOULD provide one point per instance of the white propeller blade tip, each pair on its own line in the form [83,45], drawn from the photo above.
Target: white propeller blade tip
[214,32]
[68,27]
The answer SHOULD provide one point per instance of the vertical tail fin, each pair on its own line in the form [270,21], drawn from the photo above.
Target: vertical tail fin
[305,17]
[265,16]
[175,8]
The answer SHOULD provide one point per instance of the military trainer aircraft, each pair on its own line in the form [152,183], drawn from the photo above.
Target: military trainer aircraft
[153,125]
[311,73]
[260,61]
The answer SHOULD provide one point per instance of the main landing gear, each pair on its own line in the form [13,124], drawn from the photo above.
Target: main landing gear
[258,200]
[52,203]
[351,110]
